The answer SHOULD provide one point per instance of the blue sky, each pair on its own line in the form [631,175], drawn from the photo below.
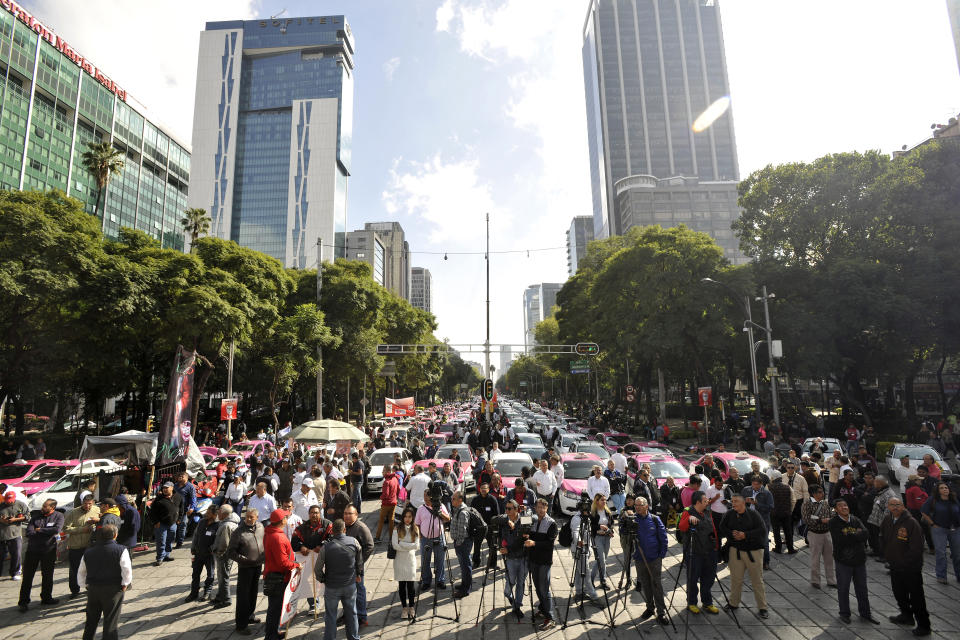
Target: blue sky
[464,107]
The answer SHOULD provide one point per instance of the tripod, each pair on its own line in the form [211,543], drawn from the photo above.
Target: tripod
[435,521]
[580,559]
[491,564]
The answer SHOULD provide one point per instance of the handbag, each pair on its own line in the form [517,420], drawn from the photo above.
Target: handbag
[391,552]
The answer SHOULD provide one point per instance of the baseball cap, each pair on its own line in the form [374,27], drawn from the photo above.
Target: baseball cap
[9,496]
[307,482]
[167,484]
[277,516]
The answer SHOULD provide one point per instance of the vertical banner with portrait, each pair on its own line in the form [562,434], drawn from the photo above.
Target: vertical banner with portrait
[175,421]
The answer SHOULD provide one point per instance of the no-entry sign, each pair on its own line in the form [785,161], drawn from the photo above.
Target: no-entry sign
[706,396]
[228,409]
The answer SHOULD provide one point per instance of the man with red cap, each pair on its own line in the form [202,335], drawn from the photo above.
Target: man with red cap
[278,564]
[13,513]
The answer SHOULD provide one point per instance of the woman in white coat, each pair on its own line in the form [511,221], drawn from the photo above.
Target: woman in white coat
[406,542]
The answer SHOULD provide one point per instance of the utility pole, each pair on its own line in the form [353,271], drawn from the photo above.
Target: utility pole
[486,345]
[773,379]
[230,388]
[753,352]
[319,348]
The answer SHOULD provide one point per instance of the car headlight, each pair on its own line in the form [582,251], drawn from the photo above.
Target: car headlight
[571,495]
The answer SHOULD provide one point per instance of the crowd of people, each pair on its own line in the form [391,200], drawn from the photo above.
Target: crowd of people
[293,514]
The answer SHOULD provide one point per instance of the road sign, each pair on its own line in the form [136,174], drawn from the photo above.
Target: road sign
[587,348]
[389,369]
[523,383]
[488,390]
[772,372]
[364,401]
[630,388]
[228,409]
[705,394]
[579,366]
[631,397]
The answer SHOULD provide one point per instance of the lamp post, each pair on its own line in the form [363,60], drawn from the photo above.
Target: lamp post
[773,379]
[748,328]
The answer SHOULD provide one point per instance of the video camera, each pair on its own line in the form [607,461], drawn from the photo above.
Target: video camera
[525,525]
[585,504]
[439,492]
[628,526]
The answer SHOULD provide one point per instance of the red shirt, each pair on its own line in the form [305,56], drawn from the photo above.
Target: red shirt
[916,497]
[277,552]
[391,490]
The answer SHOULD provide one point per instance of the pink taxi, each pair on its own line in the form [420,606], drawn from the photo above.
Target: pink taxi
[661,466]
[723,460]
[19,470]
[613,439]
[44,476]
[577,469]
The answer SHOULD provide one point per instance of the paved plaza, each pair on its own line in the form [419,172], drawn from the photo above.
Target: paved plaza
[154,609]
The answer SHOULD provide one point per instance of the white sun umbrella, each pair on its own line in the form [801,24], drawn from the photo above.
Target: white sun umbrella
[323,431]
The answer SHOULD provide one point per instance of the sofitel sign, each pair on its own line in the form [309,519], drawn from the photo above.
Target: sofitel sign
[61,45]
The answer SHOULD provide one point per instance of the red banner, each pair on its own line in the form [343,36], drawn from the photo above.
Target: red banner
[399,408]
[228,409]
[175,421]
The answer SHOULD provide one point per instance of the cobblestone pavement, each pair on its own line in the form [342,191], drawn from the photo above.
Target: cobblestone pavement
[155,609]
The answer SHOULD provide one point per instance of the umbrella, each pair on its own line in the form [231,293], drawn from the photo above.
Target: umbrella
[327,431]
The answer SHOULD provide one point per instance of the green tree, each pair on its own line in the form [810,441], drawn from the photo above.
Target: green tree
[102,160]
[195,222]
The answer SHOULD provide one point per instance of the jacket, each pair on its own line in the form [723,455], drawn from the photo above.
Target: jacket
[902,542]
[813,512]
[750,523]
[164,511]
[334,505]
[340,562]
[703,535]
[647,490]
[650,539]
[879,511]
[310,537]
[544,535]
[391,489]
[43,532]
[782,499]
[361,533]
[78,532]
[127,535]
[764,504]
[849,537]
[944,513]
[405,564]
[224,532]
[246,545]
[203,538]
[510,539]
[277,553]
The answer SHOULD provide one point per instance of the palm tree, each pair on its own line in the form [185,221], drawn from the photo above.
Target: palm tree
[196,222]
[102,161]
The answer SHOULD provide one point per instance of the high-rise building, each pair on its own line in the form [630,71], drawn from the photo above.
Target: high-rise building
[272,130]
[396,257]
[650,68]
[54,102]
[421,294]
[369,247]
[506,360]
[538,303]
[953,9]
[579,236]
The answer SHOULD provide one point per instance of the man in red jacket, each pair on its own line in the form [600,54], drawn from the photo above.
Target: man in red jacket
[278,564]
[388,501]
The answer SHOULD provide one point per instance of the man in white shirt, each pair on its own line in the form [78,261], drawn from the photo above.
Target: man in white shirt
[293,520]
[416,485]
[263,502]
[619,461]
[304,499]
[596,483]
[106,571]
[495,451]
[545,480]
[556,469]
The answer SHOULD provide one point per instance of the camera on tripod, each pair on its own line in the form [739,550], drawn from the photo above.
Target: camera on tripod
[628,526]
[525,525]
[439,492]
[585,504]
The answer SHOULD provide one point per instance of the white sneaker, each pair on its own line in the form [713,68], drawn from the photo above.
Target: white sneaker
[18,577]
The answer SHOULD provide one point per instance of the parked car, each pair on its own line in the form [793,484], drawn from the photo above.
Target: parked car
[577,469]
[381,457]
[508,465]
[530,438]
[916,453]
[726,459]
[830,443]
[19,470]
[65,489]
[612,440]
[591,446]
[45,476]
[661,466]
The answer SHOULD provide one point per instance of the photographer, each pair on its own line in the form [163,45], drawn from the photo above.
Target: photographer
[539,546]
[651,548]
[488,508]
[433,543]
[580,548]
[696,525]
[601,530]
[511,547]
[521,496]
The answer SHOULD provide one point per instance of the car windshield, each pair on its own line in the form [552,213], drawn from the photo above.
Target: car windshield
[567,440]
[534,451]
[592,448]
[69,483]
[668,468]
[47,473]
[510,468]
[742,465]
[447,427]
[529,438]
[620,439]
[917,453]
[13,471]
[380,458]
[243,448]
[448,451]
[578,469]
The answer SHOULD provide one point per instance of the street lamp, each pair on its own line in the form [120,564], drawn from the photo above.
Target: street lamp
[748,328]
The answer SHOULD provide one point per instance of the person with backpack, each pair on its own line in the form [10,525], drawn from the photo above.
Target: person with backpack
[699,538]
[650,548]
[539,546]
[466,525]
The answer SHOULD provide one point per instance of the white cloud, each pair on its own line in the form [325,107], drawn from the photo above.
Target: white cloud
[390,67]
[444,15]
[148,48]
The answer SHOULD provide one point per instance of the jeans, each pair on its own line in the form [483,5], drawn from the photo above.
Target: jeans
[164,536]
[541,584]
[103,600]
[618,500]
[941,538]
[581,585]
[464,550]
[13,548]
[908,590]
[199,564]
[858,574]
[74,556]
[700,577]
[603,549]
[224,567]
[432,551]
[515,580]
[45,560]
[248,581]
[355,494]
[182,528]
[347,596]
[651,582]
[361,601]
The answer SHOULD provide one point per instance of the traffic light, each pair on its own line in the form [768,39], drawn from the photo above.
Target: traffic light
[587,348]
[488,390]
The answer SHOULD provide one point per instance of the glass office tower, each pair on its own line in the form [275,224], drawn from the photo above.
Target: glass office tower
[650,68]
[52,102]
[272,134]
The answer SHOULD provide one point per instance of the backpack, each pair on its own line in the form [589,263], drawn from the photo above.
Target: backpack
[476,527]
[565,536]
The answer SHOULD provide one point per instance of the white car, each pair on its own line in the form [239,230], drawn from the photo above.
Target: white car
[65,489]
[508,465]
[916,453]
[382,457]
